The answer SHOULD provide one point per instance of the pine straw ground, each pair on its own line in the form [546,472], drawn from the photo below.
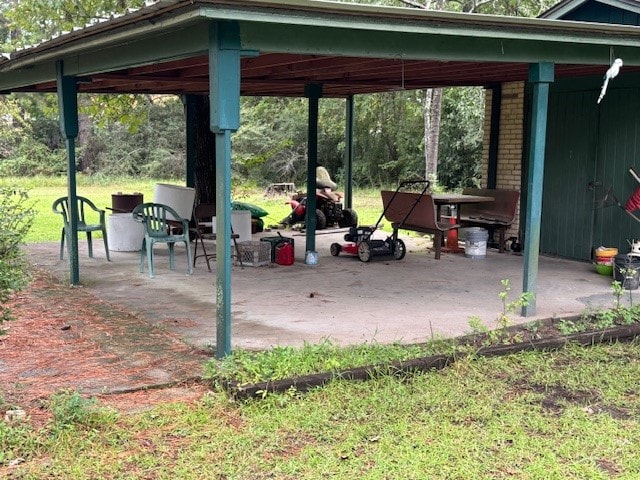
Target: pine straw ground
[64,338]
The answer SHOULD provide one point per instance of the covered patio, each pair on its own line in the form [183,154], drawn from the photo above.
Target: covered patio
[341,299]
[230,48]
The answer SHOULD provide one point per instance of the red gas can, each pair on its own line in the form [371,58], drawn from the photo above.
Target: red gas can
[284,253]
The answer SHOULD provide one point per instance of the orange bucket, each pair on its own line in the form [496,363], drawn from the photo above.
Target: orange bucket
[605,252]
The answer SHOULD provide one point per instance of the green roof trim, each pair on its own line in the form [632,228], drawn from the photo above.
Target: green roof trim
[177,29]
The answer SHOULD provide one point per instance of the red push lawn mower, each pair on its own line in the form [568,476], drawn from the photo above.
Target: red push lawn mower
[359,241]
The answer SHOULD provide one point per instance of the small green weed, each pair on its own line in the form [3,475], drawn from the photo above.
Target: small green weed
[501,334]
[604,318]
[70,409]
[616,288]
[17,440]
[477,327]
[509,307]
[534,328]
[623,315]
[568,327]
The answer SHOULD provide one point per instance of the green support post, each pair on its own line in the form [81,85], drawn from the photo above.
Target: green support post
[313,92]
[68,112]
[540,76]
[224,91]
[349,152]
[223,246]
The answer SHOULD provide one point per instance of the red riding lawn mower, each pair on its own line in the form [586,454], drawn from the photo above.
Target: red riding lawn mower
[329,211]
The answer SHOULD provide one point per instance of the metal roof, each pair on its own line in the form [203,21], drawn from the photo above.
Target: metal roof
[348,48]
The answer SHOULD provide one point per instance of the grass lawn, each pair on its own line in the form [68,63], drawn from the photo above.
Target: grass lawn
[567,414]
[47,225]
[571,414]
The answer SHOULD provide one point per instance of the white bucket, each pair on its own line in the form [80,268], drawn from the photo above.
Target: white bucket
[124,233]
[475,243]
[179,198]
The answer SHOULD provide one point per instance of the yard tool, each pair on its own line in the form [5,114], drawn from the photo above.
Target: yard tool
[625,263]
[359,239]
[631,205]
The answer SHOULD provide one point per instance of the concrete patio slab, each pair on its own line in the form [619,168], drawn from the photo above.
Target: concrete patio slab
[341,298]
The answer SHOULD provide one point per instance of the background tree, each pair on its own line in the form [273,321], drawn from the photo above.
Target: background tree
[388,138]
[433,96]
[30,22]
[30,140]
[156,148]
[461,137]
[396,137]
[270,145]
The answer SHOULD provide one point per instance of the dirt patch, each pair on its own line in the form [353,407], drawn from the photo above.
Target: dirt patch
[64,338]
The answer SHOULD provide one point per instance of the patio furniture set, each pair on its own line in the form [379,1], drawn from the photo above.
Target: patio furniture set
[494,209]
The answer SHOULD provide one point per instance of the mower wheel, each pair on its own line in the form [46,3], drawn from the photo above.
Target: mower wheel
[399,249]
[335,249]
[321,220]
[349,218]
[364,251]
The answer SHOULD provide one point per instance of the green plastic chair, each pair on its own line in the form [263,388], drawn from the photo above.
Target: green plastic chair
[61,206]
[160,224]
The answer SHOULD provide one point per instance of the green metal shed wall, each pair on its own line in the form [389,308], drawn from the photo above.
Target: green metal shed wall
[590,149]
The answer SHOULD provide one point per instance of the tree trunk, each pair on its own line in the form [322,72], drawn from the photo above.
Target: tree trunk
[205,154]
[88,157]
[432,110]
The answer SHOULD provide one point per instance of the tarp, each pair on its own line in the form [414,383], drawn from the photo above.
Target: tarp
[256,211]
